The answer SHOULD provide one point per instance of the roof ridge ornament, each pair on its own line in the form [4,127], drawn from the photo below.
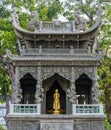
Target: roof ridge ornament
[34,20]
[54,28]
[80,22]
[14,15]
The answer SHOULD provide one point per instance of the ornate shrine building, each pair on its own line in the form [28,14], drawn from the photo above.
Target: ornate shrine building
[56,84]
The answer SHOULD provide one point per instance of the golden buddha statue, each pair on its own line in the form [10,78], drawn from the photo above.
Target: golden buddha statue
[56,103]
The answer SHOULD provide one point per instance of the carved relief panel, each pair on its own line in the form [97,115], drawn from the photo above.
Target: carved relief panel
[97,125]
[24,70]
[80,70]
[47,72]
[82,126]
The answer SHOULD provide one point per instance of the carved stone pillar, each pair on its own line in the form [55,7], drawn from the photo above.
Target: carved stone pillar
[71,92]
[39,90]
[16,90]
[94,90]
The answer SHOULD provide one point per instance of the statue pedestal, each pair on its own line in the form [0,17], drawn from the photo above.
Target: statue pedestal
[65,125]
[55,122]
[56,112]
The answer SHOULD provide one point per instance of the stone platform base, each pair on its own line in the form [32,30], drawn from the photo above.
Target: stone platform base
[55,122]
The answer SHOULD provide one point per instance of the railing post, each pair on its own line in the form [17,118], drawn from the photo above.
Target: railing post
[101,108]
[73,26]
[40,49]
[38,108]
[11,108]
[40,26]
[73,109]
[71,50]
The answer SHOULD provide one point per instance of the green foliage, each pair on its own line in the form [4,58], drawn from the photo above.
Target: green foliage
[54,9]
[43,11]
[5,83]
[24,17]
[5,25]
[1,127]
[104,73]
[107,124]
[7,41]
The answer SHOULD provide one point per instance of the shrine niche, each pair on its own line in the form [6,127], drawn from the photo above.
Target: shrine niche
[50,85]
[83,89]
[28,86]
[50,98]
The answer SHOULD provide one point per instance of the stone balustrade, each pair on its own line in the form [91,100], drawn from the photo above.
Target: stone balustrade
[77,109]
[35,51]
[25,109]
[87,109]
[55,25]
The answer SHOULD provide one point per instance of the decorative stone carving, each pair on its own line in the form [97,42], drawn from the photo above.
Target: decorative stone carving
[16,93]
[14,125]
[62,81]
[97,125]
[95,93]
[57,24]
[20,72]
[24,70]
[58,61]
[95,90]
[92,74]
[30,126]
[82,126]
[39,95]
[71,92]
[34,21]
[80,70]
[47,72]
[77,123]
[23,125]
[57,126]
[14,15]
[80,23]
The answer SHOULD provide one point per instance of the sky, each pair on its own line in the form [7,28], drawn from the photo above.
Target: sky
[62,18]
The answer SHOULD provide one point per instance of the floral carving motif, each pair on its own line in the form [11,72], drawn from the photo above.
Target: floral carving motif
[65,72]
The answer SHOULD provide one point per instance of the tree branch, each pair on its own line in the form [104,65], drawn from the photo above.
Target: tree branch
[8,68]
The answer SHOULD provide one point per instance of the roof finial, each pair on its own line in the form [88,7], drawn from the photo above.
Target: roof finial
[34,21]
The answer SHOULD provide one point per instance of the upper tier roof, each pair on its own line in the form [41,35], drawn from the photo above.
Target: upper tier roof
[50,29]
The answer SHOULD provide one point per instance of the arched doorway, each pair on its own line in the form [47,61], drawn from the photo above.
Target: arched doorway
[28,86]
[50,99]
[49,85]
[83,89]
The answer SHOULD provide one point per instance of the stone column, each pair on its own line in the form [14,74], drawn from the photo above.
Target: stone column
[71,92]
[95,90]
[16,90]
[39,90]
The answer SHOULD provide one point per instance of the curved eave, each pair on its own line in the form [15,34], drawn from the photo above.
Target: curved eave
[89,34]
[56,61]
